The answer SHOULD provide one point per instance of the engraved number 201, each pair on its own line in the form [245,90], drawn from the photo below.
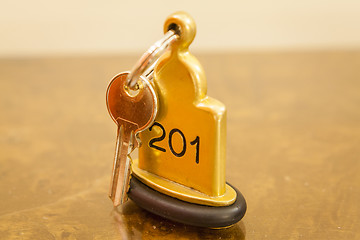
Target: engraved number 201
[172,132]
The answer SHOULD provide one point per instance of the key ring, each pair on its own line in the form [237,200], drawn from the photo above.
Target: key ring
[145,65]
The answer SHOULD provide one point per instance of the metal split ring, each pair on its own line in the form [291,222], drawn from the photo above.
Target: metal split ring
[145,65]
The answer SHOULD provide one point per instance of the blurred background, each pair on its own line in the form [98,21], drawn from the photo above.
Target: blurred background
[288,72]
[43,27]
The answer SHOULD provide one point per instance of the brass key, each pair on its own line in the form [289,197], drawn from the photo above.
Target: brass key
[133,111]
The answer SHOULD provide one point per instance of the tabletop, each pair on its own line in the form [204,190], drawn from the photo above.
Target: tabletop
[293,147]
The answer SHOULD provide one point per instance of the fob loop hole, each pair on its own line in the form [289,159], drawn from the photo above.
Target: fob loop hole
[175,28]
[184,26]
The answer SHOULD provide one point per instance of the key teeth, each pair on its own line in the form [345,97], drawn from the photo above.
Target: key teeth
[128,187]
[130,176]
[126,198]
[138,140]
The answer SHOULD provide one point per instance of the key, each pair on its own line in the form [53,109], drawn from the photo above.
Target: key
[133,112]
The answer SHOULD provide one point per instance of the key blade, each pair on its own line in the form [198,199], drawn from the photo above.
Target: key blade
[116,165]
[122,163]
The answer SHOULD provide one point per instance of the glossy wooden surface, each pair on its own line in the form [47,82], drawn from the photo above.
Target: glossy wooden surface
[293,148]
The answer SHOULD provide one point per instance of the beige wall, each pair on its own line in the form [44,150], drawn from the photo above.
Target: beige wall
[47,27]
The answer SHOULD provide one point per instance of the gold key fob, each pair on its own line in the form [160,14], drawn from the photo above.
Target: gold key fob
[186,146]
[180,173]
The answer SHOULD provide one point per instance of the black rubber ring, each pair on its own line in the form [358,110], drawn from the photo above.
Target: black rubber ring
[185,212]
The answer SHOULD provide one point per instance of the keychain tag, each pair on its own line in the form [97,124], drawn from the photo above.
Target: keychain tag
[184,151]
